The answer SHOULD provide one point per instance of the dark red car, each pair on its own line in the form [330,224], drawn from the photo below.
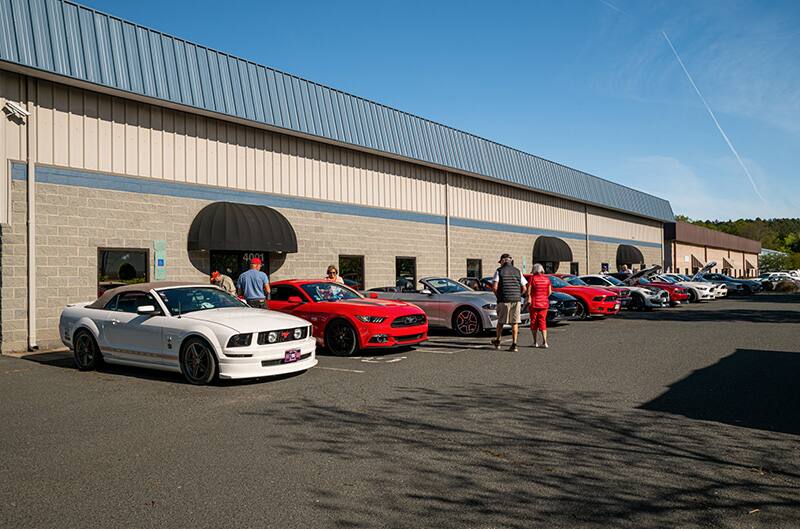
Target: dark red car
[677,294]
[592,301]
[344,321]
[623,293]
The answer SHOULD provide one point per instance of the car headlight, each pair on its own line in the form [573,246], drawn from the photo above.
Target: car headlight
[553,302]
[272,337]
[240,340]
[490,306]
[598,298]
[371,319]
[298,333]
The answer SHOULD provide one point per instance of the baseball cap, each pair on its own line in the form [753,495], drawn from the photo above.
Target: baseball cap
[255,260]
[215,274]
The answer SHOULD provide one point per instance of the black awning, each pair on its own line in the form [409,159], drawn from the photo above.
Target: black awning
[629,255]
[241,227]
[551,249]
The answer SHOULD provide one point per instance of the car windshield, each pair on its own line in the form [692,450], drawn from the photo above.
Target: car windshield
[667,279]
[557,282]
[327,291]
[614,281]
[643,281]
[685,277]
[445,285]
[576,281]
[192,299]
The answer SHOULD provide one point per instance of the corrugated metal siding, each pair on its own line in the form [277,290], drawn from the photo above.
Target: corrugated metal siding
[619,225]
[68,39]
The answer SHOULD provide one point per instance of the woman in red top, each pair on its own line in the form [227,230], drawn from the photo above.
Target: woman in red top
[539,291]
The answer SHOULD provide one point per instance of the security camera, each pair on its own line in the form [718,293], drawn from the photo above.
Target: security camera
[16,110]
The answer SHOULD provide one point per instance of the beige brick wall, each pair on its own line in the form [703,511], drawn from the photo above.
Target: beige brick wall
[73,222]
[604,252]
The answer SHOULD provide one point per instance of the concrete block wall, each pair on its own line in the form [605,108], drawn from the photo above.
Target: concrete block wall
[604,252]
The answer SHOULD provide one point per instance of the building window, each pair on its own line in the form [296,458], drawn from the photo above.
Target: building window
[405,273]
[121,266]
[574,269]
[351,268]
[475,268]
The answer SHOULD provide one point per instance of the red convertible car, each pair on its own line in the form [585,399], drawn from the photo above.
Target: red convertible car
[344,321]
[592,301]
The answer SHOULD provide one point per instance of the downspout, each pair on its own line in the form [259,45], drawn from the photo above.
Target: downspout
[30,161]
[447,222]
[586,234]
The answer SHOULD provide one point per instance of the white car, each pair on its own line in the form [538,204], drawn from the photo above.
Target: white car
[200,331]
[698,291]
[718,290]
[642,297]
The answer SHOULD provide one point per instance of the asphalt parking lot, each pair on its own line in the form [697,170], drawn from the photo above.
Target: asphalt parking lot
[685,417]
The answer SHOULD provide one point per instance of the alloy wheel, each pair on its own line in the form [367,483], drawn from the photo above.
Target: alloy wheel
[86,353]
[197,363]
[341,339]
[466,323]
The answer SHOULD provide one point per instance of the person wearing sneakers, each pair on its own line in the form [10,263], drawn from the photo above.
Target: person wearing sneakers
[539,301]
[508,285]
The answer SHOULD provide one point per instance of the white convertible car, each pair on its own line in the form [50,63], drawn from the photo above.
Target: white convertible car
[198,330]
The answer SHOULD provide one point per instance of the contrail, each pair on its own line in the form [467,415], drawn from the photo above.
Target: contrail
[615,8]
[714,118]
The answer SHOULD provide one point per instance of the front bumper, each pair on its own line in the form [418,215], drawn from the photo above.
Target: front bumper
[387,338]
[604,307]
[656,302]
[267,360]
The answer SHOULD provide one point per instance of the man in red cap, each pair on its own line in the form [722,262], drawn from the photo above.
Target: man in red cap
[253,285]
[224,282]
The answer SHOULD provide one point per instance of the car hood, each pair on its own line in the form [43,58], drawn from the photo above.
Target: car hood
[633,279]
[580,291]
[375,306]
[246,319]
[560,296]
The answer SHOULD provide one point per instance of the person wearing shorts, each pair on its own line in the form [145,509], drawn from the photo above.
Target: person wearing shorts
[539,292]
[508,285]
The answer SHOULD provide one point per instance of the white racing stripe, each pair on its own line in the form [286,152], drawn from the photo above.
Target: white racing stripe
[340,369]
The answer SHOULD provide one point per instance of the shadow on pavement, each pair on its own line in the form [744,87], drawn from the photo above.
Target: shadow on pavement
[750,388]
[708,314]
[508,456]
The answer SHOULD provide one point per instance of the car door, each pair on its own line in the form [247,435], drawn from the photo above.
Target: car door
[132,336]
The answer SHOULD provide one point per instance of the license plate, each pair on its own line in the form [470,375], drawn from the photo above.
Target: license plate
[292,355]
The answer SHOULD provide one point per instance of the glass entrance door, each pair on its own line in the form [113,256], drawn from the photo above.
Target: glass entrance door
[234,263]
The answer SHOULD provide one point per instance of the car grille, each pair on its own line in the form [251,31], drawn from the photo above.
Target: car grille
[409,337]
[409,321]
[279,361]
[284,335]
[611,299]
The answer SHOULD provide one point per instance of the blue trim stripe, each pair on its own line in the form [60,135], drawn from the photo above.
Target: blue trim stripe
[94,180]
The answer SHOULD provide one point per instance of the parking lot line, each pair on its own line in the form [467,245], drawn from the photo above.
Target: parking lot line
[341,369]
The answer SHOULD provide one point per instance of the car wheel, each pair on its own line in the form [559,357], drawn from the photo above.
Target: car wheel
[87,353]
[582,311]
[637,302]
[466,322]
[693,296]
[198,362]
[341,339]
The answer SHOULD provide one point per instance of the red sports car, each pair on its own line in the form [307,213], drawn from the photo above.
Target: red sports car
[623,293]
[677,294]
[592,301]
[345,321]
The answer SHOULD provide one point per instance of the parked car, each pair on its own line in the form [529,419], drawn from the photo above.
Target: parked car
[642,297]
[484,284]
[735,286]
[200,331]
[562,307]
[644,277]
[769,280]
[623,293]
[344,320]
[592,301]
[697,290]
[452,305]
[720,289]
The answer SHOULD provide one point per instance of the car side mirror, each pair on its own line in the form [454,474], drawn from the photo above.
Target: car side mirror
[427,292]
[295,299]
[146,309]
[373,295]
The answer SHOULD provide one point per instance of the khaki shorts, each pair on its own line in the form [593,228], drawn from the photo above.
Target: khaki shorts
[508,313]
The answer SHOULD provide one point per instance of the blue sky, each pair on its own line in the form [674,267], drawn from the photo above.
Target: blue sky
[587,83]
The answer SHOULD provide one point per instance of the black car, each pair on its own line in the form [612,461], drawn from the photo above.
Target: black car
[735,286]
[562,306]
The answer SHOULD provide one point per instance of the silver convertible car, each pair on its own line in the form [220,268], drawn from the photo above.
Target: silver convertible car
[451,305]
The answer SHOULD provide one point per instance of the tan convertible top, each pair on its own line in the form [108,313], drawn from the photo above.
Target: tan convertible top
[140,287]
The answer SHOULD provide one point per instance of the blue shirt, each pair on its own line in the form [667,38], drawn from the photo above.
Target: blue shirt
[252,283]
